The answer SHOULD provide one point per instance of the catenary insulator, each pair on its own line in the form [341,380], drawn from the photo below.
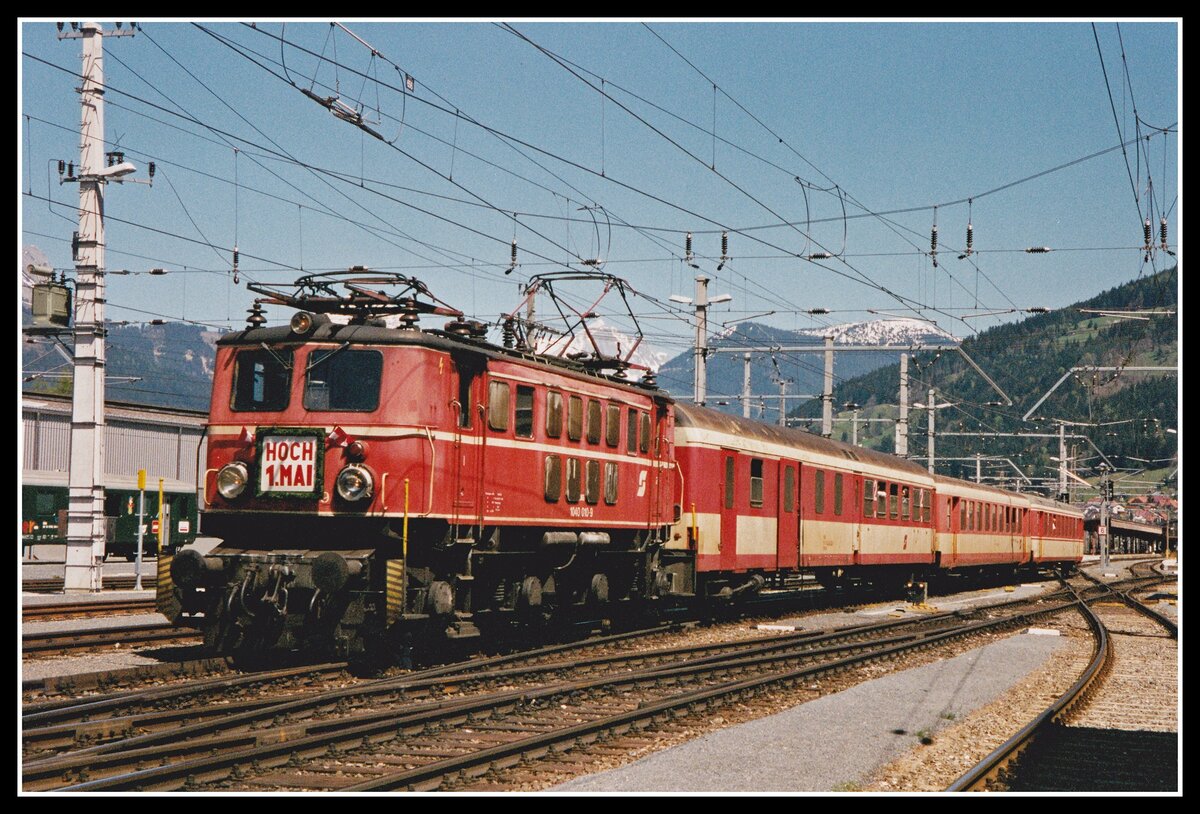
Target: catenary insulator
[514,251]
[933,239]
[1162,232]
[725,243]
[1037,249]
[970,237]
[687,250]
[1146,230]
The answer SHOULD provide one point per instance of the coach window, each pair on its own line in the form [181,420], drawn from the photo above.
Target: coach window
[728,480]
[881,499]
[574,418]
[523,419]
[554,414]
[610,483]
[868,498]
[819,491]
[553,477]
[893,501]
[644,444]
[262,380]
[904,503]
[962,515]
[756,482]
[612,427]
[498,406]
[592,492]
[927,505]
[631,431]
[593,421]
[573,480]
[837,494]
[789,489]
[343,380]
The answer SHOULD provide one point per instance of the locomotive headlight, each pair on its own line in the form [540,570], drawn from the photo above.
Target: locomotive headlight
[232,479]
[355,482]
[302,322]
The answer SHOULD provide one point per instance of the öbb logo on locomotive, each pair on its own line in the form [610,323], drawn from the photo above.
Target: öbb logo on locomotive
[413,480]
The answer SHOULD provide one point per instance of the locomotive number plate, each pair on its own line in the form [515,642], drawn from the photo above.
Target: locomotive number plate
[289,463]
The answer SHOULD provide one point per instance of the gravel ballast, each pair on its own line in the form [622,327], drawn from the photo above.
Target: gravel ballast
[833,742]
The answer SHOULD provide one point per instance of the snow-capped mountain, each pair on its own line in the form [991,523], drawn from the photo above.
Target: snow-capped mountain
[900,331]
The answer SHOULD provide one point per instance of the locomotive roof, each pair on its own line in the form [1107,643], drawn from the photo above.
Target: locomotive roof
[687,415]
[358,334]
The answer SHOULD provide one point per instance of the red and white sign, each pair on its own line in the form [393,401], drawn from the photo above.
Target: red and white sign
[287,464]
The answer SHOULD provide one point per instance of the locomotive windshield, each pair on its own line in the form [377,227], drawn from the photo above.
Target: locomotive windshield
[343,380]
[262,380]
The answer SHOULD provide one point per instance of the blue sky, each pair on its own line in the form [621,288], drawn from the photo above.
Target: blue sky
[891,115]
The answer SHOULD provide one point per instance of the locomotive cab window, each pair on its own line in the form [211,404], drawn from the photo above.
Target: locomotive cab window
[756,482]
[554,414]
[498,399]
[262,380]
[343,380]
[523,423]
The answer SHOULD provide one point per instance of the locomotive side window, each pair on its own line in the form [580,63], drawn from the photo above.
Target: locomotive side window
[631,431]
[498,399]
[343,380]
[837,494]
[728,477]
[610,482]
[593,422]
[644,446]
[592,492]
[573,480]
[904,503]
[756,482]
[574,418]
[819,491]
[523,423]
[612,427]
[894,502]
[554,414]
[868,498]
[553,477]
[789,489]
[262,380]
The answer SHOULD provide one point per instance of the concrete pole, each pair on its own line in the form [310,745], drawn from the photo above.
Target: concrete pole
[700,393]
[978,469]
[932,409]
[854,430]
[902,424]
[783,403]
[746,386]
[85,507]
[1062,461]
[827,391]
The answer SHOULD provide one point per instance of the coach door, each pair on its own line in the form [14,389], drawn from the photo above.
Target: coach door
[729,492]
[787,544]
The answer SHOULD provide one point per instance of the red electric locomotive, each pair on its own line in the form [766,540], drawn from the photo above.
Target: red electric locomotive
[370,482]
[367,481]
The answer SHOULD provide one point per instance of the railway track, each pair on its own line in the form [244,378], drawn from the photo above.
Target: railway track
[125,636]
[1112,730]
[424,731]
[71,610]
[120,582]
